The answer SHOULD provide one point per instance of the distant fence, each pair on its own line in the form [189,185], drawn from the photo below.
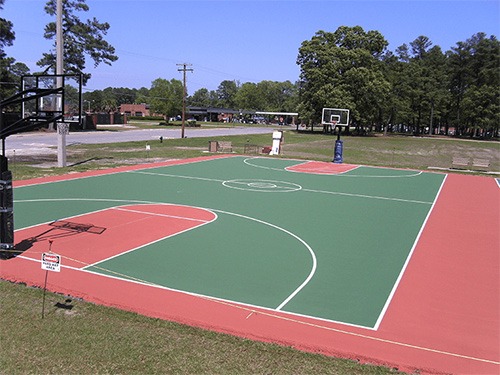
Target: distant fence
[108,118]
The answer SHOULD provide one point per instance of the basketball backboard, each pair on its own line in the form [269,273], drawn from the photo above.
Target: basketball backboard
[45,97]
[335,117]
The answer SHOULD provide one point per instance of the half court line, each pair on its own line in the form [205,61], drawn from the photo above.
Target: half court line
[178,176]
[309,190]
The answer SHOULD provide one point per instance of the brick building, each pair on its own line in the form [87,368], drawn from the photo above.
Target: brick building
[134,109]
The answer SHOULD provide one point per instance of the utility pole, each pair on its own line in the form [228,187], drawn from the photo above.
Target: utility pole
[184,69]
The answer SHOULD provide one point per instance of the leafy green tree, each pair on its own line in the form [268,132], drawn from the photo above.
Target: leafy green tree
[276,96]
[7,37]
[397,107]
[248,98]
[343,70]
[474,66]
[267,96]
[71,99]
[459,73]
[419,97]
[7,34]
[226,93]
[166,96]
[436,94]
[428,90]
[93,101]
[81,39]
[201,98]
[124,95]
[142,95]
[108,100]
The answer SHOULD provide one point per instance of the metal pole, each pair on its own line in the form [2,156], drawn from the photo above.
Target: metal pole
[45,284]
[59,40]
[61,136]
[184,103]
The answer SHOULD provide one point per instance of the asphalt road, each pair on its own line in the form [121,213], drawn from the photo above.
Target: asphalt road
[46,143]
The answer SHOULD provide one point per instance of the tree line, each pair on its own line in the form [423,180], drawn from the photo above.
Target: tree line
[417,88]
[165,97]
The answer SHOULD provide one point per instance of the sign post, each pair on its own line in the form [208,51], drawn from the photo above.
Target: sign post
[50,262]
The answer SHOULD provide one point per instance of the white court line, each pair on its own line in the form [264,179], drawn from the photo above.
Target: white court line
[161,215]
[109,173]
[175,175]
[407,261]
[367,196]
[128,202]
[311,251]
[146,244]
[246,161]
[320,171]
[341,174]
[292,319]
[310,190]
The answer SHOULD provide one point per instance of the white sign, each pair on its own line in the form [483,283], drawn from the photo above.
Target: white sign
[277,136]
[51,262]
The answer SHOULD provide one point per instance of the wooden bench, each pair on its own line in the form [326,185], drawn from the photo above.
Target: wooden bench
[460,163]
[481,164]
[224,146]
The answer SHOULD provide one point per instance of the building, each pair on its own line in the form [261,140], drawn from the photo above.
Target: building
[140,110]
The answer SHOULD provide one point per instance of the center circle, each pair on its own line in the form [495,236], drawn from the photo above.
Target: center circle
[267,186]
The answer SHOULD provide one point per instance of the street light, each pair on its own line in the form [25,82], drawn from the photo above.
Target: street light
[88,101]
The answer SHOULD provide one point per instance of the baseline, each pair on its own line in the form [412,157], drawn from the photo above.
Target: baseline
[327,168]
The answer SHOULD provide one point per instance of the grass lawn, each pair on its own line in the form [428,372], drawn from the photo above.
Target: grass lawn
[390,151]
[76,337]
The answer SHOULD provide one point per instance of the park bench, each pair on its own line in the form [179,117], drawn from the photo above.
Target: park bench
[481,164]
[460,163]
[224,146]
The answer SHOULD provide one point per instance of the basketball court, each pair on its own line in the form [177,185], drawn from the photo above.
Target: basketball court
[394,267]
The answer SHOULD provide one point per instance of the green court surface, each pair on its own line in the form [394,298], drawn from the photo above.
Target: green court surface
[327,246]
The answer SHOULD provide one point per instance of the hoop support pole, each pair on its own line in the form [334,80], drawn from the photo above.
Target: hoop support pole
[62,131]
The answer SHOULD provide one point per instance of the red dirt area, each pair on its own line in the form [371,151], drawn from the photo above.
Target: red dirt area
[449,297]
[109,232]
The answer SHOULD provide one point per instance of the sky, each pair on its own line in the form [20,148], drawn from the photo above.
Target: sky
[239,40]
